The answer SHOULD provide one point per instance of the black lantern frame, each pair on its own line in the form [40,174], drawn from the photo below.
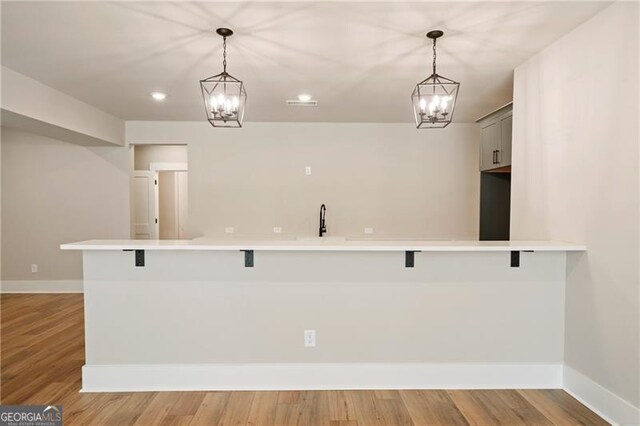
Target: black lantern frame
[434,98]
[223,95]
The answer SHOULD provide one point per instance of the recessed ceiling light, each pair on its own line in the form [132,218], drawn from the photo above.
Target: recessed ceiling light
[303,97]
[158,96]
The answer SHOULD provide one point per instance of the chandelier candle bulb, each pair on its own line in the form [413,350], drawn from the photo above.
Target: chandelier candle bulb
[443,104]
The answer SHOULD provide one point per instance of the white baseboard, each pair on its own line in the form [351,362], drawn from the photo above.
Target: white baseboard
[41,286]
[598,399]
[177,377]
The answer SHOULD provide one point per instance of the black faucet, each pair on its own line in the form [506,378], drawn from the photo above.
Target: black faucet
[323,226]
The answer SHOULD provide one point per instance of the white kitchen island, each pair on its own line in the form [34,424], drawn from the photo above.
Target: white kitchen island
[182,315]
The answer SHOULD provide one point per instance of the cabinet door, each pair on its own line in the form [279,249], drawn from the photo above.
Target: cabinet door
[505,139]
[489,134]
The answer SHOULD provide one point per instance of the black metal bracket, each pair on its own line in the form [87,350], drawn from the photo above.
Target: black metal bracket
[409,258]
[248,258]
[139,256]
[515,259]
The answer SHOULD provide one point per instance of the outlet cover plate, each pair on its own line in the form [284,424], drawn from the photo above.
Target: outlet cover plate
[309,338]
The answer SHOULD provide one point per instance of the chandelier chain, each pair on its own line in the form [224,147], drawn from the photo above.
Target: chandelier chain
[224,54]
[434,56]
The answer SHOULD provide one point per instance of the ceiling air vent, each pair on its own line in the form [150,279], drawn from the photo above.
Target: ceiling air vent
[296,102]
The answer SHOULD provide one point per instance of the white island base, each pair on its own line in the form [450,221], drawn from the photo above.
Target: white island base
[194,317]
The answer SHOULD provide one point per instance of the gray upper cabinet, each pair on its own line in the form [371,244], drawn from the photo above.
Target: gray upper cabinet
[489,139]
[495,138]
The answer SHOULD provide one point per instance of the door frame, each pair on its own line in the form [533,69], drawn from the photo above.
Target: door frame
[169,167]
[160,166]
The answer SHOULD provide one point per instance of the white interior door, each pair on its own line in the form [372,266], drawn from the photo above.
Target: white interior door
[145,205]
[172,214]
[167,213]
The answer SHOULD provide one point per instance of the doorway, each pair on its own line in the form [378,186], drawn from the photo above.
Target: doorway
[159,192]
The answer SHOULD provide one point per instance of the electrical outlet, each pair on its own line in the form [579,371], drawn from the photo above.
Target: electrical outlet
[307,170]
[229,230]
[368,230]
[277,230]
[34,267]
[309,338]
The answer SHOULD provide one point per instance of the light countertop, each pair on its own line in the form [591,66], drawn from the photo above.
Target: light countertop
[324,245]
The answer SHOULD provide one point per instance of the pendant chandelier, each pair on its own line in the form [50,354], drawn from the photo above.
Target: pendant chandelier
[224,95]
[434,98]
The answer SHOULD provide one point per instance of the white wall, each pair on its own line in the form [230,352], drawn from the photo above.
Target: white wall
[575,178]
[146,154]
[55,192]
[403,182]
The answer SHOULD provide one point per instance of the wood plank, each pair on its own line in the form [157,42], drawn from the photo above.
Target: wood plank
[176,420]
[157,409]
[386,394]
[128,412]
[263,409]
[186,403]
[523,409]
[314,408]
[288,408]
[365,408]
[84,410]
[484,407]
[211,410]
[340,406]
[561,408]
[433,407]
[394,412]
[237,409]
[103,414]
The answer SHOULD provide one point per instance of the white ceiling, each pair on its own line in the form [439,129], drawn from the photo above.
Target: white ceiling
[360,60]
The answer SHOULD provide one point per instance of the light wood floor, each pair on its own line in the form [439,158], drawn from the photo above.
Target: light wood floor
[42,352]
